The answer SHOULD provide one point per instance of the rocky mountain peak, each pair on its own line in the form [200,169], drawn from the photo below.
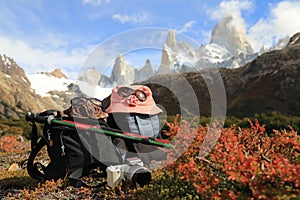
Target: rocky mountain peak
[147,62]
[56,73]
[171,39]
[17,96]
[147,67]
[145,72]
[91,76]
[227,34]
[167,60]
[173,54]
[122,73]
[294,40]
[9,67]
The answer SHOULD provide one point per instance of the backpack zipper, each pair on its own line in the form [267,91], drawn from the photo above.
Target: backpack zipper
[63,153]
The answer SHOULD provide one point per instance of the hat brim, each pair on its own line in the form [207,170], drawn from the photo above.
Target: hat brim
[121,108]
[121,104]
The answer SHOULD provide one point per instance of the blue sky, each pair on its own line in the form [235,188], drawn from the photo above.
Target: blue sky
[42,35]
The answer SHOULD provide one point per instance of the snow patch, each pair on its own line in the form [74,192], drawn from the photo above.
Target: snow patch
[102,93]
[93,91]
[42,84]
[6,60]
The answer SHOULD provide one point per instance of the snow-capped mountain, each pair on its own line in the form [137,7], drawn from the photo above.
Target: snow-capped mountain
[44,84]
[228,48]
[21,93]
[226,34]
[17,95]
[176,55]
[268,84]
[214,55]
[48,85]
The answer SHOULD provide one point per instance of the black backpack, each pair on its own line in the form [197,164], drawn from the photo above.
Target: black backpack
[139,124]
[73,152]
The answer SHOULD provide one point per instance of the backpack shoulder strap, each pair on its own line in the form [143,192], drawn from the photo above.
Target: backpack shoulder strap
[32,168]
[37,145]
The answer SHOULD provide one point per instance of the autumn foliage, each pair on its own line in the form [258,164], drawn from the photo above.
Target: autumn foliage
[12,143]
[244,163]
[236,163]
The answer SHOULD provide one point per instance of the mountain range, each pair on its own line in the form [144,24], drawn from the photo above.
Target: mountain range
[17,94]
[228,48]
[255,82]
[269,83]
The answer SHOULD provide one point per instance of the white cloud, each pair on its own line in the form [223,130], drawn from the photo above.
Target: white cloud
[94,2]
[282,22]
[233,8]
[34,59]
[186,26]
[135,18]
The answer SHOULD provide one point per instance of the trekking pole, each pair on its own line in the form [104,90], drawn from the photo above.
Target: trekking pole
[103,130]
[115,133]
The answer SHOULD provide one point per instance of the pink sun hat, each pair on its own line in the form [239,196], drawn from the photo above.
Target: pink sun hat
[132,99]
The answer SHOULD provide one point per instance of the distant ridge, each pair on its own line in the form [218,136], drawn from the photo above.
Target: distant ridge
[18,97]
[270,83]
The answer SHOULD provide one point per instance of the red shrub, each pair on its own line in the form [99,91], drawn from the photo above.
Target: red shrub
[243,163]
[12,143]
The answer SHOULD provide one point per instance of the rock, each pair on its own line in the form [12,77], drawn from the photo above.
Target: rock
[294,40]
[227,34]
[20,138]
[13,167]
[144,73]
[91,76]
[57,73]
[175,53]
[122,73]
[171,40]
[167,61]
